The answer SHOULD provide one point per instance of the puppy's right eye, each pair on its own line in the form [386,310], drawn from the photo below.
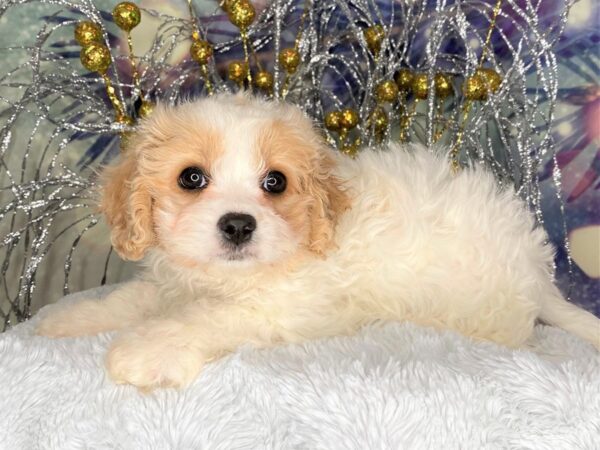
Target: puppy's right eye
[193,178]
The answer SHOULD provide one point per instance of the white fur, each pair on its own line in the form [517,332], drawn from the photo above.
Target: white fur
[398,386]
[419,243]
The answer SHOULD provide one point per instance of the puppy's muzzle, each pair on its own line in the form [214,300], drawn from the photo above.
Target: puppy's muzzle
[237,228]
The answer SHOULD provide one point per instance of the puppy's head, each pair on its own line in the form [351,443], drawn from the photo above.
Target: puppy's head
[228,180]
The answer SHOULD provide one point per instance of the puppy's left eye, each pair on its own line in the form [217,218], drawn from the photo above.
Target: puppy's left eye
[274,183]
[193,178]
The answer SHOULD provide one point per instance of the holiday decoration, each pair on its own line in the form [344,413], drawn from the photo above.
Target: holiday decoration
[289,60]
[241,13]
[349,118]
[374,37]
[386,91]
[404,79]
[95,57]
[443,86]
[87,33]
[420,86]
[127,16]
[201,51]
[333,121]
[238,71]
[264,80]
[476,77]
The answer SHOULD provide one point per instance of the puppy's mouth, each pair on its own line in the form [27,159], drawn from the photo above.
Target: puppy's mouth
[235,254]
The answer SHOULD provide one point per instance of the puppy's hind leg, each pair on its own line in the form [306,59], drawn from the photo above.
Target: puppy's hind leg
[126,306]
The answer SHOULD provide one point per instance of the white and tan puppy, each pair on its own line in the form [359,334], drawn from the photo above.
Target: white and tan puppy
[253,231]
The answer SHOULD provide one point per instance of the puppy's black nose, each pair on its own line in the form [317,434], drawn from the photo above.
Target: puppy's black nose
[237,228]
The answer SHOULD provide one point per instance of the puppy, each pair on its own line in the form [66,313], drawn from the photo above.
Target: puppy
[254,232]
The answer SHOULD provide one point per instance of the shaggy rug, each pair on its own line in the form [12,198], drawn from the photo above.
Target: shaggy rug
[394,386]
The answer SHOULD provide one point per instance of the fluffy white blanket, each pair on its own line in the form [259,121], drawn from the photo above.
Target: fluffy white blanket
[391,387]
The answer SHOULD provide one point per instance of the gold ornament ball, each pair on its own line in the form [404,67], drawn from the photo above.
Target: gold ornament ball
[238,70]
[227,3]
[404,79]
[88,32]
[374,36]
[420,86]
[379,120]
[95,57]
[443,86]
[492,79]
[264,80]
[475,88]
[333,121]
[289,58]
[386,91]
[127,16]
[349,118]
[241,13]
[146,109]
[201,51]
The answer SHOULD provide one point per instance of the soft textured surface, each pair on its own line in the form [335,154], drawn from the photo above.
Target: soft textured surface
[393,386]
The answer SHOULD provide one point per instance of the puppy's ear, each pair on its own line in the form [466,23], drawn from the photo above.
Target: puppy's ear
[127,205]
[329,200]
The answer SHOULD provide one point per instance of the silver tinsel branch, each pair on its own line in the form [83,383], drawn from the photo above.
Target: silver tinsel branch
[58,126]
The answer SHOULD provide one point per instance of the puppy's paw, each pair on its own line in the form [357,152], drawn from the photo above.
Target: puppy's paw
[149,359]
[81,319]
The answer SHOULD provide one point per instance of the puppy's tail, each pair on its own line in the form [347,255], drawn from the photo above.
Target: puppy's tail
[559,312]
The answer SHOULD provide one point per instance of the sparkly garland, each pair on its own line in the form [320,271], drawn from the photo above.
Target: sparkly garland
[459,74]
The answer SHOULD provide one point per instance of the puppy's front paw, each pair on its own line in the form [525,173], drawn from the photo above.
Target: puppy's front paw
[149,360]
[61,323]
[81,319]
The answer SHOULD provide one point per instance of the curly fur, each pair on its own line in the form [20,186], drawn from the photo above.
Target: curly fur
[393,235]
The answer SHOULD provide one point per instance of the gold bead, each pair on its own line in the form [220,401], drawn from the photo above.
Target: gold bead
[475,88]
[95,57]
[374,36]
[146,109]
[420,86]
[404,79]
[349,118]
[289,58]
[333,120]
[88,32]
[127,15]
[443,85]
[227,4]
[241,13]
[386,91]
[201,51]
[492,78]
[479,85]
[378,120]
[238,71]
[264,80]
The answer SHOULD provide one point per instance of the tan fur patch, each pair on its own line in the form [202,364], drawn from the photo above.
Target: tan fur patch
[314,198]
[147,175]
[127,204]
